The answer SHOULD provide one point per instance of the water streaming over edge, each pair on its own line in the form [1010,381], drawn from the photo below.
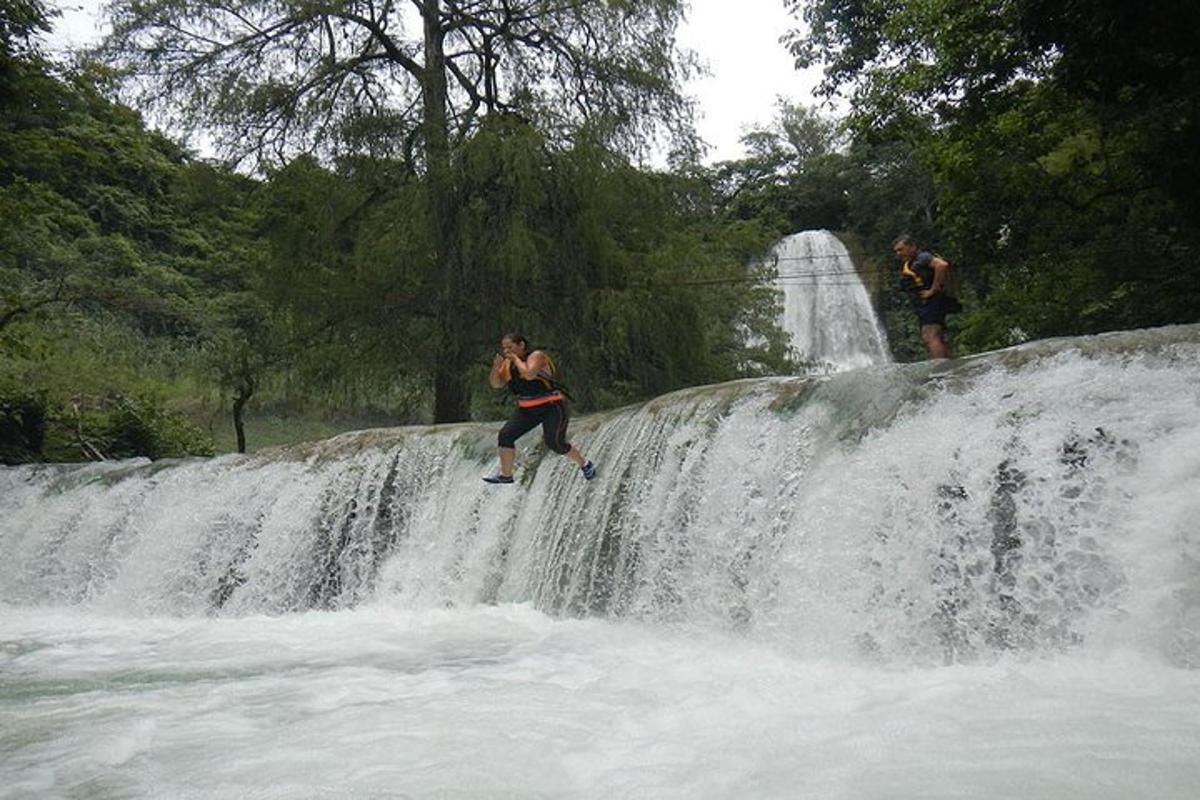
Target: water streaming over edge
[1043,498]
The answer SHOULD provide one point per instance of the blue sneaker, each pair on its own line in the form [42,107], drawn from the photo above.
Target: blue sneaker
[589,470]
[498,479]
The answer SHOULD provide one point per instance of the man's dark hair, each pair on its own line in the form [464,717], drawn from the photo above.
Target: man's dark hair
[904,238]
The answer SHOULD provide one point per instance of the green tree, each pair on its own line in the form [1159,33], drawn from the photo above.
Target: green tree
[280,77]
[572,245]
[22,24]
[794,176]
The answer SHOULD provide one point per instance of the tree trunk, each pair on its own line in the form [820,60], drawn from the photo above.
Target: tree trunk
[450,399]
[245,392]
[239,426]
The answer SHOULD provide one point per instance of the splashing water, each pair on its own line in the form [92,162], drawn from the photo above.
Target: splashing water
[975,578]
[826,309]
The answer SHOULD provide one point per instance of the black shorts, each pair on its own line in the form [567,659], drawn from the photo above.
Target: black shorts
[553,418]
[935,310]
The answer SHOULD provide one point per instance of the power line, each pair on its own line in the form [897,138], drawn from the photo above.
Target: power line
[814,279]
[833,272]
[817,257]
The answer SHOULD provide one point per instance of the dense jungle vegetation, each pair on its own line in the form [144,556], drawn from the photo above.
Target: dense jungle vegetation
[395,192]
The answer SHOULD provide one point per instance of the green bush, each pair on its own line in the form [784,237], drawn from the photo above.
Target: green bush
[34,429]
[22,429]
[142,427]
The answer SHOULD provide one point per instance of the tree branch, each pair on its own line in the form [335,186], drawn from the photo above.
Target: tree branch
[32,306]
[394,53]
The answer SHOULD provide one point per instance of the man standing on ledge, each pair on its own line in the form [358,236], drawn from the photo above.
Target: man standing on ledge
[540,401]
[926,278]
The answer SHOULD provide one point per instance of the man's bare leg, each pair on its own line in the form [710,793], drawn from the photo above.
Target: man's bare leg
[934,337]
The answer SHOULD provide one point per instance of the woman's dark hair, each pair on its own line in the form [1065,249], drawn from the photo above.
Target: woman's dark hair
[516,338]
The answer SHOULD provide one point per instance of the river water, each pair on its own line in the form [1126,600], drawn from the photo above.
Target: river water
[967,579]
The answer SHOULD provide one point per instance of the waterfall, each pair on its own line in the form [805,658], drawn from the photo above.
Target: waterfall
[826,309]
[1040,497]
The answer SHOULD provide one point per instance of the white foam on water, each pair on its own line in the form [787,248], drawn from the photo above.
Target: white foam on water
[966,579]
[505,701]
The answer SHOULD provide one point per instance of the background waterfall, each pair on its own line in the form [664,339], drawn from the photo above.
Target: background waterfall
[1037,498]
[826,309]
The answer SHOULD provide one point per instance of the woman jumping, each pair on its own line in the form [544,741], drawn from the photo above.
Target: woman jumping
[540,401]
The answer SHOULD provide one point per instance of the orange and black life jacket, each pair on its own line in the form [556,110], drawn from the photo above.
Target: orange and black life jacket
[917,274]
[539,391]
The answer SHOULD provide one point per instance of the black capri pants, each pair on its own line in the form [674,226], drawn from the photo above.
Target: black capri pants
[552,417]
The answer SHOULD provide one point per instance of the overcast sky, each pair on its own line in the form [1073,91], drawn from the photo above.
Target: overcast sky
[738,39]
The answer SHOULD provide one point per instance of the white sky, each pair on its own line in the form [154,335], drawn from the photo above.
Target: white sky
[737,39]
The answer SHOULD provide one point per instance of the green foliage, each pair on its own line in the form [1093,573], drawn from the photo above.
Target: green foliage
[270,79]
[143,288]
[114,427]
[794,177]
[803,173]
[627,277]
[369,273]
[22,24]
[85,387]
[119,259]
[22,429]
[1060,161]
[125,428]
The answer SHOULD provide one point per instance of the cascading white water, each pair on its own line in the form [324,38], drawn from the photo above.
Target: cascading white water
[826,309]
[767,578]
[995,499]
